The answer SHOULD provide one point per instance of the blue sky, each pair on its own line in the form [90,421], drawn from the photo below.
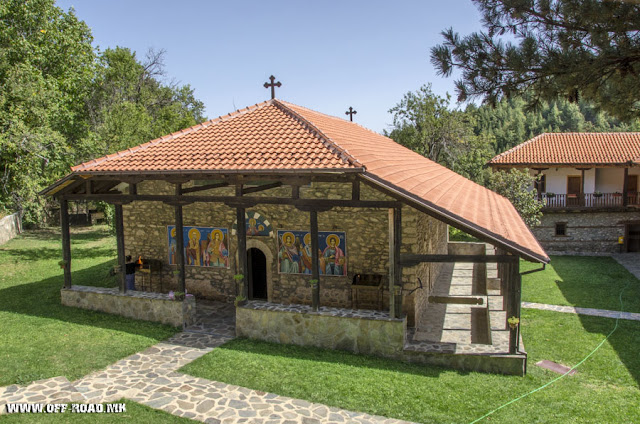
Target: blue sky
[328,55]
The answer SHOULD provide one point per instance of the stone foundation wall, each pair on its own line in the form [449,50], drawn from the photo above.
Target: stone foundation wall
[587,232]
[145,226]
[329,329]
[10,226]
[144,306]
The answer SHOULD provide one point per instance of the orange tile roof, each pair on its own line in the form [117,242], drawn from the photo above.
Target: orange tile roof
[260,137]
[574,149]
[280,136]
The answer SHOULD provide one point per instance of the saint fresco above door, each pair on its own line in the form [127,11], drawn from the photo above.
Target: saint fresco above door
[294,252]
[256,225]
[203,246]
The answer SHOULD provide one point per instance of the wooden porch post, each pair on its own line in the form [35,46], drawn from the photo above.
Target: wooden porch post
[120,247]
[66,241]
[395,269]
[514,285]
[625,187]
[315,272]
[180,242]
[242,251]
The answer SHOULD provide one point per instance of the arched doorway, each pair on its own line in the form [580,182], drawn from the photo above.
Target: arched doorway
[257,278]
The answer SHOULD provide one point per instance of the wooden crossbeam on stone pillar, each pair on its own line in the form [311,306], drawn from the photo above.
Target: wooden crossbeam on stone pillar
[120,247]
[180,242]
[315,271]
[395,269]
[242,251]
[66,241]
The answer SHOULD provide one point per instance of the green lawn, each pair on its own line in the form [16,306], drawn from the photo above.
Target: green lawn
[40,337]
[584,281]
[135,413]
[604,390]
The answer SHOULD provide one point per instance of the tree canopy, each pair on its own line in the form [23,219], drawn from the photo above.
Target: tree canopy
[572,49]
[64,101]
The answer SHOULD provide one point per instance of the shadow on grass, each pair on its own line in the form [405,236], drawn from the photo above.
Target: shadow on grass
[48,253]
[42,299]
[319,355]
[626,341]
[78,234]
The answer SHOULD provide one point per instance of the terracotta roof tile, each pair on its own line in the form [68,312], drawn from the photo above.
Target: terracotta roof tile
[277,135]
[428,183]
[574,149]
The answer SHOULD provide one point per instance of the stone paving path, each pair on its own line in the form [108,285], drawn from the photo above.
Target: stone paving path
[631,261]
[582,311]
[151,378]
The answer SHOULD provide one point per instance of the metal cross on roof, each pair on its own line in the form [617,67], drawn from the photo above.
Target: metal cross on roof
[272,85]
[351,112]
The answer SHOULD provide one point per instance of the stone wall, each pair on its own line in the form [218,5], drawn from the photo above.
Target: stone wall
[145,225]
[10,226]
[587,232]
[367,333]
[138,305]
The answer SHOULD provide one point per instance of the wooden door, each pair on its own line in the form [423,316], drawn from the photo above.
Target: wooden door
[633,237]
[632,189]
[574,190]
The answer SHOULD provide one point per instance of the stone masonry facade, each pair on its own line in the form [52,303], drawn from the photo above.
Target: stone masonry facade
[586,232]
[367,241]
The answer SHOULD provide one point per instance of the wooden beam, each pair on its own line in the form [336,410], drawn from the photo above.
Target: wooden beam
[119,222]
[242,251]
[395,267]
[456,300]
[180,243]
[295,191]
[625,187]
[355,190]
[262,187]
[513,285]
[315,271]
[413,259]
[204,187]
[133,188]
[247,201]
[87,187]
[66,242]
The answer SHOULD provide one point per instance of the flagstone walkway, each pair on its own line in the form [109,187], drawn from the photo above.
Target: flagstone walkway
[151,378]
[582,311]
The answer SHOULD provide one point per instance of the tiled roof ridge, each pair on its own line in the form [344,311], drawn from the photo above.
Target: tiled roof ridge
[171,136]
[327,141]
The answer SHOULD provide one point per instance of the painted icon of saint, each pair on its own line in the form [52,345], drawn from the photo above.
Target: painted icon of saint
[306,255]
[172,247]
[193,248]
[217,250]
[333,257]
[288,255]
[252,228]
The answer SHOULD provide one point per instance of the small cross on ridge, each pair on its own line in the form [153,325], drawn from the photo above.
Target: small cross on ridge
[272,85]
[351,112]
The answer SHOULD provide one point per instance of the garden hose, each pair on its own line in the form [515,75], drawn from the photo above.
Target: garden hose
[563,375]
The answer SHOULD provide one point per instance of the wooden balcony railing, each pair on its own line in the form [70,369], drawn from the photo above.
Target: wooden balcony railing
[589,200]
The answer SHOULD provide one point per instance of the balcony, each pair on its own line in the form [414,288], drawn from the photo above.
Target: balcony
[589,200]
